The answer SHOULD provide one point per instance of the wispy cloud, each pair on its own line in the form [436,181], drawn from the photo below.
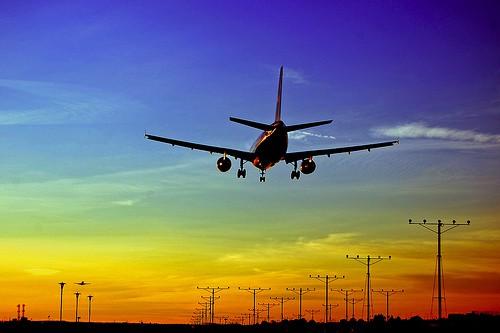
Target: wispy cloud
[295,76]
[301,135]
[421,130]
[44,103]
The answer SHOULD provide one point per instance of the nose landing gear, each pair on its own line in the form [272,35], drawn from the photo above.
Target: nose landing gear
[262,176]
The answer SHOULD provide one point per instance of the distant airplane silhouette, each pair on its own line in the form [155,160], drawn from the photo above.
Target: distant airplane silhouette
[83,283]
[271,146]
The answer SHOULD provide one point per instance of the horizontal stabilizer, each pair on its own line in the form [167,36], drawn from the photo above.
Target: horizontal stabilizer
[261,126]
[307,125]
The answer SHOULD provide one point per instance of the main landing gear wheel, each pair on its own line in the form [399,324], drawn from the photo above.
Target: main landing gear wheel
[295,173]
[241,173]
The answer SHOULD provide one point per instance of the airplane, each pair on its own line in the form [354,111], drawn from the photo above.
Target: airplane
[83,283]
[271,146]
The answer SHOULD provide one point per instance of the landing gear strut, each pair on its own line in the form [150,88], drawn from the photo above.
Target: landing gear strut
[241,171]
[262,176]
[295,173]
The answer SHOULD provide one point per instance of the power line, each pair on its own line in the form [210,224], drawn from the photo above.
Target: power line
[387,294]
[213,291]
[439,231]
[368,263]
[300,292]
[254,291]
[326,279]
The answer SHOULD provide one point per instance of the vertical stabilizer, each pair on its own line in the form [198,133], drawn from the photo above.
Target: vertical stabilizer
[278,101]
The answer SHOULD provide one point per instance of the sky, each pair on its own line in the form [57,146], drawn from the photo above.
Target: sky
[83,196]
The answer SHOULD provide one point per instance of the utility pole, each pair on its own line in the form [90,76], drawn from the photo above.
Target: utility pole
[268,305]
[282,302]
[439,231]
[90,304]
[387,294]
[77,294]
[61,302]
[347,293]
[300,292]
[254,291]
[312,312]
[213,291]
[326,279]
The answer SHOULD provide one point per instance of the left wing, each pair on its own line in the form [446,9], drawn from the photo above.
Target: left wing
[244,155]
[300,155]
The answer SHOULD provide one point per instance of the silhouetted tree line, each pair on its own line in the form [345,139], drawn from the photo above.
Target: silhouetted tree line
[455,323]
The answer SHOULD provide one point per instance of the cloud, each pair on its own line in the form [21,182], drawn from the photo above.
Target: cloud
[301,135]
[41,271]
[126,203]
[295,76]
[47,103]
[421,130]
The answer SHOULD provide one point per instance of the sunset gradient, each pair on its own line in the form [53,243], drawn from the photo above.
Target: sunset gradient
[83,196]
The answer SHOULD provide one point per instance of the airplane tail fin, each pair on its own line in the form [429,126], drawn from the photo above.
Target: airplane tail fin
[261,126]
[277,116]
[297,127]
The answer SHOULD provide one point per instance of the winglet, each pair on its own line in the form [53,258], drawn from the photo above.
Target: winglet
[277,116]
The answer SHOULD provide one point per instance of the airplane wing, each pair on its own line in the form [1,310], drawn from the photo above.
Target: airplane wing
[244,155]
[300,155]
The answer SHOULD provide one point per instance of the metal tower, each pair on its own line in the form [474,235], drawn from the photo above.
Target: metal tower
[439,231]
[254,291]
[300,292]
[387,294]
[282,302]
[213,291]
[368,281]
[61,301]
[326,279]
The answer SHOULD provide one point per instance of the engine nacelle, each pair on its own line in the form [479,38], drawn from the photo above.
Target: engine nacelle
[307,166]
[223,164]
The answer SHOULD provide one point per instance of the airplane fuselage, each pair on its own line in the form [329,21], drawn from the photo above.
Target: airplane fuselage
[271,146]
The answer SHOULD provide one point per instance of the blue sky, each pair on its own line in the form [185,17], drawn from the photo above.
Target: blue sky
[80,81]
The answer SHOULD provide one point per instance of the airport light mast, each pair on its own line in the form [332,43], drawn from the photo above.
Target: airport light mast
[282,301]
[439,231]
[61,301]
[254,291]
[326,279]
[347,293]
[268,305]
[90,305]
[213,291]
[300,292]
[77,294]
[368,263]
[387,293]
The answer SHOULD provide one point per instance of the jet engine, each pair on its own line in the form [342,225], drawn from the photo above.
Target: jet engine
[223,164]
[307,166]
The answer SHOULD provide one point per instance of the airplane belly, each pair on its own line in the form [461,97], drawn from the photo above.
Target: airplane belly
[270,151]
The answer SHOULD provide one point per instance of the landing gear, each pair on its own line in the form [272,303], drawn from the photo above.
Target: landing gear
[241,171]
[295,173]
[262,176]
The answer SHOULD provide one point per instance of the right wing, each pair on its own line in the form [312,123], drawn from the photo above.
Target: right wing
[244,155]
[300,155]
